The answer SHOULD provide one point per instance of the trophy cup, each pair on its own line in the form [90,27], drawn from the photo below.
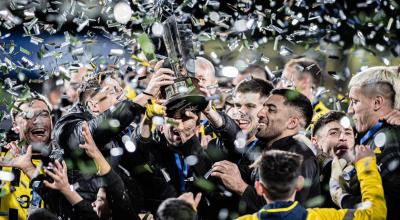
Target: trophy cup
[183,94]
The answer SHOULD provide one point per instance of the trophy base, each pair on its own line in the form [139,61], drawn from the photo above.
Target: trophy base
[177,106]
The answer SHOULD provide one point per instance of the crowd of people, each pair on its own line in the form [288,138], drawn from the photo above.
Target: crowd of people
[262,152]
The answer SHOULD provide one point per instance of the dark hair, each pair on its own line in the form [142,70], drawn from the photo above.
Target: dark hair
[175,209]
[254,85]
[327,118]
[42,214]
[278,171]
[298,101]
[306,66]
[255,69]
[92,85]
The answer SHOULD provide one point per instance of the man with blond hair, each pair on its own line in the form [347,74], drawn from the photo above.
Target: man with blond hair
[374,93]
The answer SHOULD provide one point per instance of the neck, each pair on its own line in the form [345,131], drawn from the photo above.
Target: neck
[290,199]
[378,115]
[284,134]
[249,140]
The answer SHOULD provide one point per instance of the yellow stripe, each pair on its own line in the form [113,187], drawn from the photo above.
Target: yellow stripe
[281,209]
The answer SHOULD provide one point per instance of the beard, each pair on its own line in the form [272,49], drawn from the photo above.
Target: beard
[349,156]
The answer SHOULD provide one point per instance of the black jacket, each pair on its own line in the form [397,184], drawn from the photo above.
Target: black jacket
[388,157]
[117,197]
[162,156]
[309,170]
[131,166]
[225,148]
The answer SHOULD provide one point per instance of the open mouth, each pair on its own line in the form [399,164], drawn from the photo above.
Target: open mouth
[175,135]
[243,124]
[262,124]
[38,132]
[341,149]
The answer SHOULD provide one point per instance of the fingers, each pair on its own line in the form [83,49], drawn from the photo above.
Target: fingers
[221,167]
[11,145]
[86,132]
[64,167]
[51,174]
[164,72]
[191,115]
[158,65]
[391,114]
[218,175]
[29,151]
[360,148]
[203,89]
[49,185]
[197,199]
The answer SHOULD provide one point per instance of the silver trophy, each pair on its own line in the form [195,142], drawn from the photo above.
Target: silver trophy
[183,94]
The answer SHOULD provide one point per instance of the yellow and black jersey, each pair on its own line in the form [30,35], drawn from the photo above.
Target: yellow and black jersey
[16,196]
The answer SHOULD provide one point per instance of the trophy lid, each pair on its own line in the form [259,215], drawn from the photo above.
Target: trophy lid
[178,40]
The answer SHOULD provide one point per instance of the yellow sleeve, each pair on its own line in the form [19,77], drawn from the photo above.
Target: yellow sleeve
[248,217]
[15,196]
[374,205]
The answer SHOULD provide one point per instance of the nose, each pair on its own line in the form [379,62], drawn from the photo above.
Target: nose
[261,113]
[350,109]
[242,109]
[342,136]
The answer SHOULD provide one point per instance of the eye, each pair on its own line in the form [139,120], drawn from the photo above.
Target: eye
[333,133]
[354,101]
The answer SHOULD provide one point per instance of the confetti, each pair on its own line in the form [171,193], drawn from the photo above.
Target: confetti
[6,176]
[122,12]
[345,122]
[114,123]
[116,151]
[157,29]
[130,146]
[191,160]
[380,139]
[229,71]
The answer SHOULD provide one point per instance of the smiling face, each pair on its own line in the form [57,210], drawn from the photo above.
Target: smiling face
[361,109]
[273,118]
[244,112]
[334,139]
[33,123]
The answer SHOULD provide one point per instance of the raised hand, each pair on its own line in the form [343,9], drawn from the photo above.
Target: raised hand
[15,158]
[89,146]
[60,182]
[207,93]
[189,198]
[92,151]
[393,118]
[162,77]
[363,152]
[230,176]
[59,175]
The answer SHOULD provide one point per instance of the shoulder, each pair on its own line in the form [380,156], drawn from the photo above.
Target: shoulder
[248,217]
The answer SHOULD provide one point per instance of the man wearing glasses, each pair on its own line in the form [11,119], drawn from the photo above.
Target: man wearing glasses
[33,124]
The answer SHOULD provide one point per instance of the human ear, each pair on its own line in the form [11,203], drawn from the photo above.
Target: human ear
[300,183]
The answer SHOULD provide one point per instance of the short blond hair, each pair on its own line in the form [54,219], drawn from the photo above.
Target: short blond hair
[203,62]
[374,76]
